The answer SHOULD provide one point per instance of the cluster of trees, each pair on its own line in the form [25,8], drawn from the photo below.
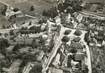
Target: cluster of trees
[38,42]
[3,45]
[99,37]
[15,54]
[3,9]
[12,19]
[43,20]
[33,29]
[52,12]
[71,6]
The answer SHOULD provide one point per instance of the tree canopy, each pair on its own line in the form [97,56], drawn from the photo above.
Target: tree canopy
[65,39]
[52,12]
[77,32]
[3,44]
[67,32]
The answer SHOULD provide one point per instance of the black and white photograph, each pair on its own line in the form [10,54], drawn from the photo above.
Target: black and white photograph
[52,36]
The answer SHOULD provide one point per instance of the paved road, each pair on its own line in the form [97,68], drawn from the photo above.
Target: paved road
[89,58]
[87,52]
[56,47]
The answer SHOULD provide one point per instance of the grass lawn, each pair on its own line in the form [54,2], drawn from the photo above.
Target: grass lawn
[38,5]
[3,22]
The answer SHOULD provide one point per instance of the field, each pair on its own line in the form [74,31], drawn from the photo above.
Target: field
[24,5]
[98,59]
[3,22]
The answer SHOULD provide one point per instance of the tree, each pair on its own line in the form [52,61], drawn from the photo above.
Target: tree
[51,45]
[0,34]
[65,39]
[44,13]
[12,18]
[77,39]
[68,2]
[32,8]
[74,4]
[24,30]
[3,44]
[37,68]
[16,9]
[41,41]
[94,70]
[69,61]
[17,47]
[3,9]
[58,29]
[85,70]
[11,32]
[77,32]
[6,34]
[3,26]
[67,32]
[76,45]
[35,43]
[35,29]
[70,10]
[73,50]
[30,23]
[52,12]
[61,7]
[86,38]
